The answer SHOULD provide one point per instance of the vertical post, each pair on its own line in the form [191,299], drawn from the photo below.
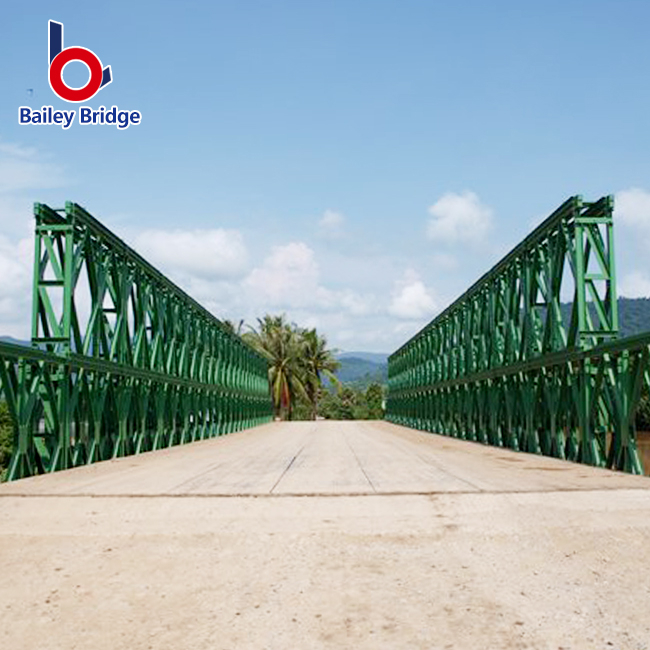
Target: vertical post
[36,276]
[611,295]
[579,277]
[68,286]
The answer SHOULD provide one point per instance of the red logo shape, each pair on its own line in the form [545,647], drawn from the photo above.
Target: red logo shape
[60,57]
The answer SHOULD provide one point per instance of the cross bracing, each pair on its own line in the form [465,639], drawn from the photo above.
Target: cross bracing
[123,361]
[503,366]
[96,296]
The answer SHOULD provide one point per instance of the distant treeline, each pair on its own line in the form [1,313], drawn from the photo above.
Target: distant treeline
[633,315]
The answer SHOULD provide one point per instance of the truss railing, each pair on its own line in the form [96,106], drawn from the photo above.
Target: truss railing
[123,360]
[505,365]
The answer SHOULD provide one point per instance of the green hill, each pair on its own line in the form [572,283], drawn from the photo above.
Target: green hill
[375,357]
[633,316]
[11,339]
[361,372]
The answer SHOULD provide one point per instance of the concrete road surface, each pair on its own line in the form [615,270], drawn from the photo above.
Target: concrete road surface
[326,535]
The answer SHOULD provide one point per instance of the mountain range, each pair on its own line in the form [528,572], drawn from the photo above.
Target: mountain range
[362,368]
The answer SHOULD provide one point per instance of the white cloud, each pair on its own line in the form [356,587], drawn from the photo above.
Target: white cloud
[632,208]
[16,260]
[411,300]
[331,225]
[632,222]
[635,285]
[347,296]
[289,277]
[459,218]
[357,304]
[17,151]
[16,219]
[23,168]
[444,261]
[404,330]
[210,254]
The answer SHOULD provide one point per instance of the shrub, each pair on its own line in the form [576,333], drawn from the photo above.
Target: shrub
[6,438]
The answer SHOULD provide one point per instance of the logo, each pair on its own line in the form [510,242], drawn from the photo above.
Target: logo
[100,76]
[59,57]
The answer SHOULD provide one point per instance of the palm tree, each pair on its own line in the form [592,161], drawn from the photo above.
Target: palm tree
[317,362]
[298,361]
[234,328]
[279,342]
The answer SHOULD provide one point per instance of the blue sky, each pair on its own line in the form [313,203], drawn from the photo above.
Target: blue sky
[354,164]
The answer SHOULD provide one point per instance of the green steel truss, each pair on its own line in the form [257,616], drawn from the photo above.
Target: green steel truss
[504,366]
[124,361]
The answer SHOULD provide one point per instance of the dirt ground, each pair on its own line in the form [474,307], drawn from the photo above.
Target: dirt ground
[326,535]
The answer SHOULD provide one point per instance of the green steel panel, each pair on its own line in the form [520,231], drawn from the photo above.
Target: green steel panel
[123,361]
[502,366]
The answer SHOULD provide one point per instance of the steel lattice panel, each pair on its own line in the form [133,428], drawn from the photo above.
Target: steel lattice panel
[502,365]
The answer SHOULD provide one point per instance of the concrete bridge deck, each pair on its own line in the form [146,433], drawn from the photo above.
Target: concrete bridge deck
[326,535]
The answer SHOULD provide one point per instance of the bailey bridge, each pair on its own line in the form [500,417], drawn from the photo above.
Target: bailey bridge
[498,506]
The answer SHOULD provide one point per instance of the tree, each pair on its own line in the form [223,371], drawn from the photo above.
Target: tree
[349,402]
[234,328]
[375,401]
[317,361]
[299,361]
[6,438]
[340,404]
[279,342]
[643,412]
